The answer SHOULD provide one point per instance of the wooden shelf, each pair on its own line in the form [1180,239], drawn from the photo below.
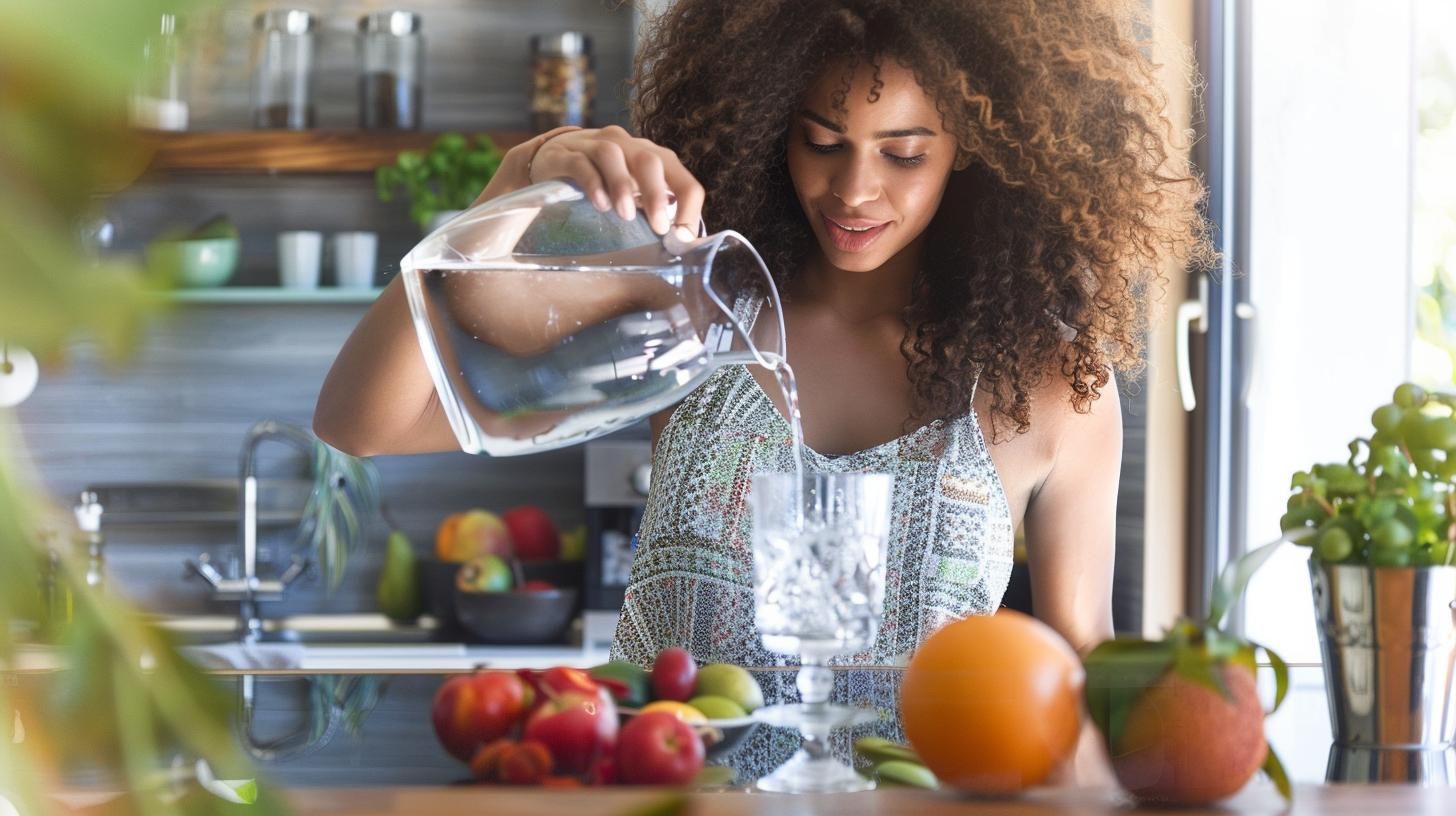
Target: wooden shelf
[272,294]
[292,151]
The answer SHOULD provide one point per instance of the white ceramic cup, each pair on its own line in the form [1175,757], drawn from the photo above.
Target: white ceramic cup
[299,256]
[354,254]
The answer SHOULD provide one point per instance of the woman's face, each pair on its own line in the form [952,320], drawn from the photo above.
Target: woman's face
[883,167]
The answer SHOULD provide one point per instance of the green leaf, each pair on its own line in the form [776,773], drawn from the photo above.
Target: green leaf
[1119,671]
[1281,676]
[235,791]
[1275,770]
[1233,580]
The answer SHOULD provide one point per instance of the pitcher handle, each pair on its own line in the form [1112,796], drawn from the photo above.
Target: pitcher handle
[715,243]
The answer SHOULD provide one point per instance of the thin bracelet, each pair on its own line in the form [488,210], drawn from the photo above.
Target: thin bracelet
[546,137]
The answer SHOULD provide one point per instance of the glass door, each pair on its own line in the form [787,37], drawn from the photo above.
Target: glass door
[1319,100]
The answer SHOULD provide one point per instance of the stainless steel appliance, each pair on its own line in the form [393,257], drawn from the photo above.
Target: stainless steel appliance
[618,473]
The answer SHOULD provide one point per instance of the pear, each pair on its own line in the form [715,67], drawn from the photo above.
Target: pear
[731,682]
[399,589]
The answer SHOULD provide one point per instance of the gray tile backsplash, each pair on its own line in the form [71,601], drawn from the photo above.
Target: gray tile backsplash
[179,413]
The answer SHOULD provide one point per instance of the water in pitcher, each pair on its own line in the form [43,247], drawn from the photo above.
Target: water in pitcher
[540,357]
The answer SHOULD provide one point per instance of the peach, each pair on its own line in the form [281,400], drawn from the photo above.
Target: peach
[472,534]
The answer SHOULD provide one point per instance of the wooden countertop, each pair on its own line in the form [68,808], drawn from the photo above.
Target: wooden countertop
[1259,798]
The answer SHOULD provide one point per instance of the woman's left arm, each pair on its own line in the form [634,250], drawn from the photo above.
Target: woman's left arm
[1071,523]
[1071,531]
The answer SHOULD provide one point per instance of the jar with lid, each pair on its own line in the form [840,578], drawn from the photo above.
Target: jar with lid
[157,101]
[283,78]
[391,59]
[564,86]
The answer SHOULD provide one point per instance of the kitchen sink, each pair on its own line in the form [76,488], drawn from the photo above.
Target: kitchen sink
[321,630]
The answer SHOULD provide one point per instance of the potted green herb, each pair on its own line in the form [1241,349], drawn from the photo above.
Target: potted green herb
[1383,541]
[443,180]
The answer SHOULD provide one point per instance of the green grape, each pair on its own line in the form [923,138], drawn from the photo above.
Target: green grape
[1438,433]
[1302,516]
[1386,418]
[1439,551]
[1299,480]
[1429,461]
[1409,395]
[1334,544]
[1411,427]
[1429,512]
[1383,438]
[1392,534]
[1374,511]
[1390,558]
[1387,459]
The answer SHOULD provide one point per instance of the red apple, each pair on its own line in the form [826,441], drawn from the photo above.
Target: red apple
[673,675]
[471,710]
[533,533]
[576,728]
[656,748]
[535,585]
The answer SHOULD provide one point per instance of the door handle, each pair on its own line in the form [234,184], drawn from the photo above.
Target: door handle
[1192,316]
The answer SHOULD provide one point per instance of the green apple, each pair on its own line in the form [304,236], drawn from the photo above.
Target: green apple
[731,682]
[488,573]
[717,708]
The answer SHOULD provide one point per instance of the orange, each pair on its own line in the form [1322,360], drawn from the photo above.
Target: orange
[992,704]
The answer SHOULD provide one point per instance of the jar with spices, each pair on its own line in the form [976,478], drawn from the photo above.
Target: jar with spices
[564,87]
[391,59]
[283,78]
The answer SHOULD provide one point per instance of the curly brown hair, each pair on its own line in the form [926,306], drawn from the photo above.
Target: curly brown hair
[1069,197]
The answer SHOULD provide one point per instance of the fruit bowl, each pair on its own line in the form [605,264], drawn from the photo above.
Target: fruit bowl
[515,617]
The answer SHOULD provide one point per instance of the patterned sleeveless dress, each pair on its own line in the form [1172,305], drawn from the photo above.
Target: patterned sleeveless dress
[950,548]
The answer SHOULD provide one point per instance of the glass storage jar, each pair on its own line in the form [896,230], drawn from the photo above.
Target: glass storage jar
[564,86]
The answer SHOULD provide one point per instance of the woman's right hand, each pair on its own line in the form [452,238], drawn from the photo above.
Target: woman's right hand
[613,167]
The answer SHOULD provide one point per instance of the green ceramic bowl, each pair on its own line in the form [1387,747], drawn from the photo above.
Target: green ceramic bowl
[201,263]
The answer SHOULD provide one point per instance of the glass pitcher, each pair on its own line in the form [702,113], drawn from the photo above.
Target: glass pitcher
[545,322]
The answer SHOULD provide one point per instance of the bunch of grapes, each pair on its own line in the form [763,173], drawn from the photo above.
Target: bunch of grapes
[1393,502]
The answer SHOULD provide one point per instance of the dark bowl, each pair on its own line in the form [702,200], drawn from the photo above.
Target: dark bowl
[516,617]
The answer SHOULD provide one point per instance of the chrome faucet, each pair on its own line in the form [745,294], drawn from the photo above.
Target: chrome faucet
[249,590]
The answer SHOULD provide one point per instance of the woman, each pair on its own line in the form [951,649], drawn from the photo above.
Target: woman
[965,204]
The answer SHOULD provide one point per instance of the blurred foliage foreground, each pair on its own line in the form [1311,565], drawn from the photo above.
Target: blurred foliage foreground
[124,706]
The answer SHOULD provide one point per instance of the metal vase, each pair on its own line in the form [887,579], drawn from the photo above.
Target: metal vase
[1388,638]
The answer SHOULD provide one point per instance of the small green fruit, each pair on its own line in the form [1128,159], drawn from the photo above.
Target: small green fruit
[717,708]
[488,573]
[398,591]
[732,682]
[909,774]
